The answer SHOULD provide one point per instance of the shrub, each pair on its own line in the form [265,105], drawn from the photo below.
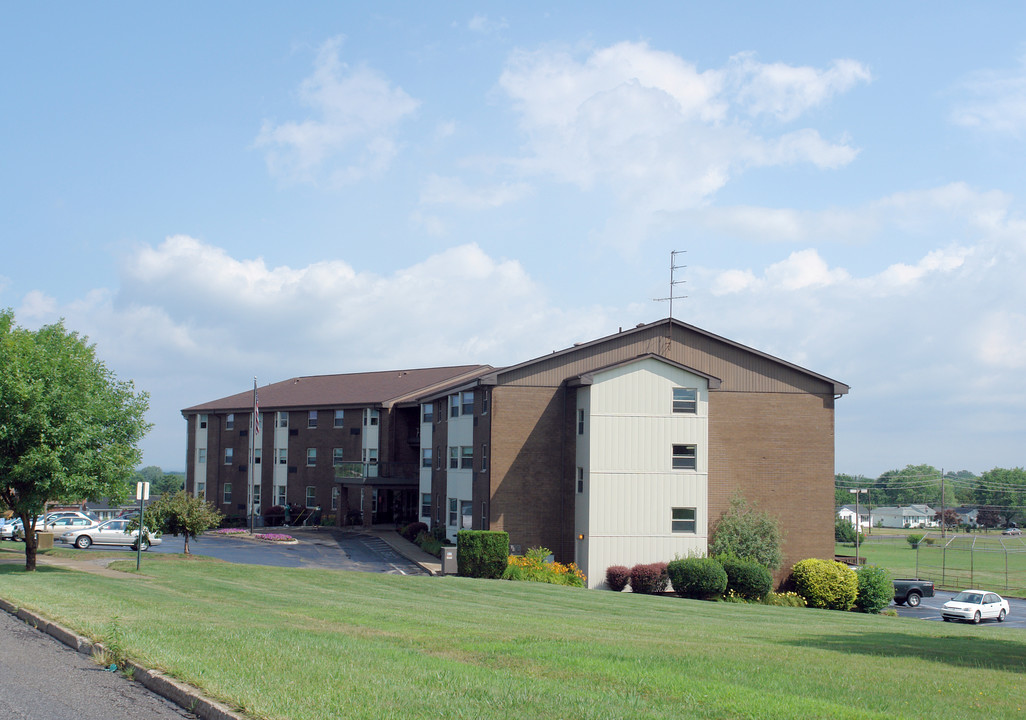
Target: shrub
[411,531]
[617,577]
[788,599]
[826,583]
[844,532]
[875,589]
[914,539]
[747,533]
[650,579]
[533,567]
[747,579]
[429,544]
[481,553]
[697,578]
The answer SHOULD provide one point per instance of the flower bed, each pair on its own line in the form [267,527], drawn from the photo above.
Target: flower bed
[230,531]
[275,537]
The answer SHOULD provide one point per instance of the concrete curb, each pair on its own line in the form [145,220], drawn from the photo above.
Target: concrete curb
[184,696]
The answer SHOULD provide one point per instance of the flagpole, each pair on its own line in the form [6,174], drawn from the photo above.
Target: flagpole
[254,429]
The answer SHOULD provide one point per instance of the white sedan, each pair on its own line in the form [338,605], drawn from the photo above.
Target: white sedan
[112,532]
[975,605]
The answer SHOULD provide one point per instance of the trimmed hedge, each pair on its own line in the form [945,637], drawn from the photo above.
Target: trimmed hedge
[876,589]
[826,583]
[617,577]
[650,579]
[482,553]
[697,578]
[747,578]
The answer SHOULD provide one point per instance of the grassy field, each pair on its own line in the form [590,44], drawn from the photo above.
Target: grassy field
[298,644]
[956,562]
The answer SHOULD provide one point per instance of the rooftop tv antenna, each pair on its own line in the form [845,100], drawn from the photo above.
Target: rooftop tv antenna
[674,282]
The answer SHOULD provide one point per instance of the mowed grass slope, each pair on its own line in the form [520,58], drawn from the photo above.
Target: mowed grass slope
[288,643]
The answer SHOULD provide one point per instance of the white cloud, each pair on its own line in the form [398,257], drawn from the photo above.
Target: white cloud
[657,131]
[486,26]
[996,102]
[440,190]
[352,136]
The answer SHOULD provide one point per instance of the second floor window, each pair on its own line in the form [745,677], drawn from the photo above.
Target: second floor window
[311,419]
[229,421]
[311,457]
[336,456]
[685,400]
[425,457]
[229,454]
[685,457]
[340,416]
[467,403]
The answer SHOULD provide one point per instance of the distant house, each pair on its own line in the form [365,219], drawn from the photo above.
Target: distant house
[967,515]
[909,516]
[847,512]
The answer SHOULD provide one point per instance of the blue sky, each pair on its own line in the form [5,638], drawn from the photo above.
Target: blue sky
[216,191]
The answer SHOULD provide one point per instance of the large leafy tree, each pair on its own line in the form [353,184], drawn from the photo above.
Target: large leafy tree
[1003,490]
[69,430]
[161,483]
[181,514]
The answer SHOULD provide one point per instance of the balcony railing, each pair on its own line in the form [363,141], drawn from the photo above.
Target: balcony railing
[397,470]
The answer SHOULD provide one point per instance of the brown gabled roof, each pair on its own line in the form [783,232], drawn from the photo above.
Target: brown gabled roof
[369,389]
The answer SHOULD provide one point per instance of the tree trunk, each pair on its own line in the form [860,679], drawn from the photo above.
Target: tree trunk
[186,550]
[30,543]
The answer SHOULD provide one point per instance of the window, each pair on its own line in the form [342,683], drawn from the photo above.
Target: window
[340,416]
[484,516]
[202,455]
[336,493]
[425,457]
[484,402]
[227,493]
[370,417]
[311,457]
[283,456]
[427,412]
[229,421]
[280,495]
[370,456]
[256,456]
[580,422]
[682,520]
[685,400]
[311,419]
[281,419]
[467,457]
[454,406]
[580,479]
[201,490]
[229,453]
[425,505]
[336,457]
[311,496]
[438,458]
[685,457]
[256,496]
[484,457]
[467,404]
[202,422]
[453,510]
[454,457]
[466,514]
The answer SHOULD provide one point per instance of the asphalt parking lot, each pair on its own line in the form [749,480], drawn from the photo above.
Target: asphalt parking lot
[930,609]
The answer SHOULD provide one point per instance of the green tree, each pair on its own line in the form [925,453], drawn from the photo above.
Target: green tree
[69,430]
[161,483]
[1004,490]
[181,514]
[748,534]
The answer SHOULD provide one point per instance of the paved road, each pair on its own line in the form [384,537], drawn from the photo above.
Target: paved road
[930,609]
[42,679]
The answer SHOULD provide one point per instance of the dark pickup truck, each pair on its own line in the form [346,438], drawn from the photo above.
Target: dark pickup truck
[912,591]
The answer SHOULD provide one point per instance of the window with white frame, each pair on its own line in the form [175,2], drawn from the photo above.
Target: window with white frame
[454,406]
[256,456]
[311,457]
[427,412]
[227,493]
[370,456]
[425,505]
[685,400]
[685,457]
[454,457]
[466,514]
[279,495]
[340,416]
[336,457]
[454,511]
[467,402]
[484,401]
[425,457]
[201,490]
[311,496]
[202,422]
[467,457]
[229,454]
[229,421]
[370,417]
[202,455]
[283,456]
[281,418]
[311,419]
[580,422]
[682,520]
[256,497]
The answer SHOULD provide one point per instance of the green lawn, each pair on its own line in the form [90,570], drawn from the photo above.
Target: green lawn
[293,643]
[959,561]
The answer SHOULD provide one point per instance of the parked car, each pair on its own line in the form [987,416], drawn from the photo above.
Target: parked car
[911,591]
[1012,531]
[975,605]
[112,532]
[62,524]
[10,529]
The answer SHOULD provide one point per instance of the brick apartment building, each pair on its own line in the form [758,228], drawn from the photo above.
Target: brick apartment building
[612,452]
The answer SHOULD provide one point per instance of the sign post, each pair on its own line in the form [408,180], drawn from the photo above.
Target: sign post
[142,494]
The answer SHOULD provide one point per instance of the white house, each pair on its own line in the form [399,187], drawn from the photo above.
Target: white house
[909,516]
[847,512]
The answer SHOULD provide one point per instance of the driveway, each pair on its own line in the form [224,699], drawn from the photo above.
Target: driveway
[930,609]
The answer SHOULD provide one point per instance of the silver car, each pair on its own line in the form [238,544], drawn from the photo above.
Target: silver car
[112,532]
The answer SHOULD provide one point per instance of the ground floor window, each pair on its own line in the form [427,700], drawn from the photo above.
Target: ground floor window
[279,495]
[311,496]
[467,515]
[454,509]
[227,493]
[682,520]
[425,505]
[335,494]
[201,489]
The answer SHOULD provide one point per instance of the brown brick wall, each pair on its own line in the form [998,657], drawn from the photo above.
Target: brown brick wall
[778,450]
[531,450]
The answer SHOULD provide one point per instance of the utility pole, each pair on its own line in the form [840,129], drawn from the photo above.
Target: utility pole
[944,533]
[858,520]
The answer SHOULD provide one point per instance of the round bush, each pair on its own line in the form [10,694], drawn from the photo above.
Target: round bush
[617,577]
[876,589]
[697,578]
[826,583]
[650,579]
[748,579]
